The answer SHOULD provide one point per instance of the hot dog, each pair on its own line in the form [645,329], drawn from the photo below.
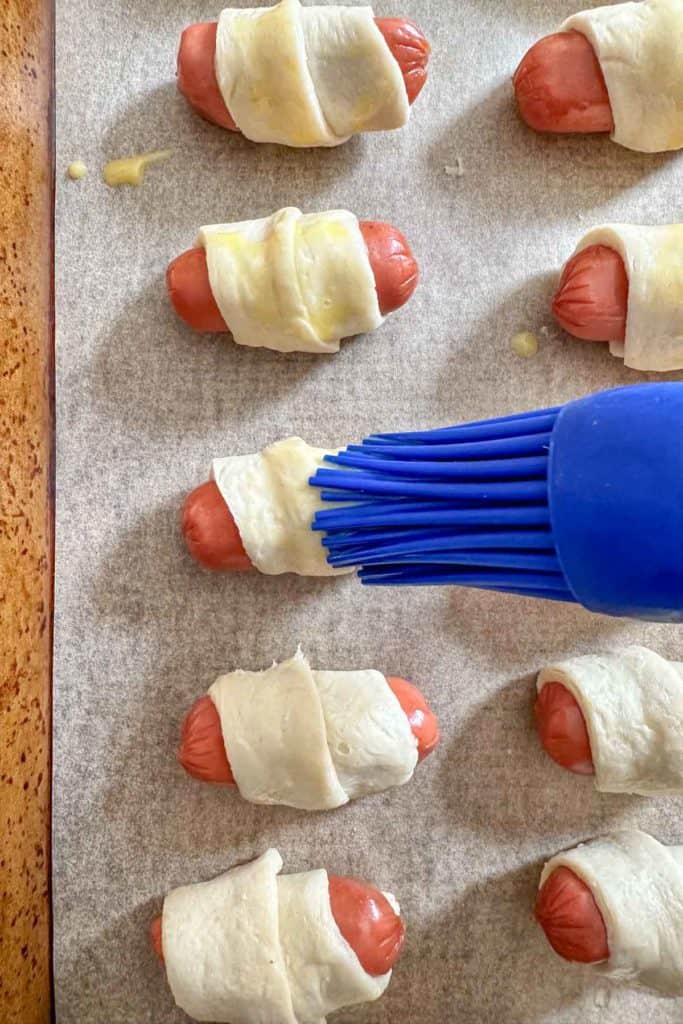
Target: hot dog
[559,86]
[562,729]
[210,533]
[591,301]
[615,68]
[616,901]
[257,510]
[570,917]
[197,76]
[393,265]
[202,748]
[365,918]
[363,915]
[616,716]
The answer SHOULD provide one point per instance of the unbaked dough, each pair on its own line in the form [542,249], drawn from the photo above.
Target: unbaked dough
[313,740]
[637,884]
[273,505]
[250,947]
[323,970]
[640,50]
[653,257]
[632,703]
[292,282]
[308,76]
[222,950]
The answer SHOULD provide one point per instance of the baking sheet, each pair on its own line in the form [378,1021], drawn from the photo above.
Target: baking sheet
[143,405]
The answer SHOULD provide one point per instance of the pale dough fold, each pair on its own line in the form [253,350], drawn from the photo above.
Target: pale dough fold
[632,703]
[250,947]
[273,505]
[292,282]
[653,257]
[308,76]
[323,970]
[637,884]
[640,50]
[312,740]
[222,950]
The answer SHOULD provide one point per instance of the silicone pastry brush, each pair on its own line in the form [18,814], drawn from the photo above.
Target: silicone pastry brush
[582,502]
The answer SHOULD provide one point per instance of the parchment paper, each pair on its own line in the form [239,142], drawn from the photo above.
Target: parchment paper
[143,405]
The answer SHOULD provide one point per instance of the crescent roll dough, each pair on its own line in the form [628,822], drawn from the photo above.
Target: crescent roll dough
[250,947]
[640,50]
[653,257]
[632,703]
[637,884]
[273,506]
[292,282]
[313,740]
[309,76]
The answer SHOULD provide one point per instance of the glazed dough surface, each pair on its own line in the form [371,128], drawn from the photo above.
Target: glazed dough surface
[309,76]
[653,257]
[640,50]
[292,282]
[312,740]
[638,886]
[632,703]
[273,506]
[250,947]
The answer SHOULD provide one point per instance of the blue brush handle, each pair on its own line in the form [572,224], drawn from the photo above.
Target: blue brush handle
[616,500]
[579,503]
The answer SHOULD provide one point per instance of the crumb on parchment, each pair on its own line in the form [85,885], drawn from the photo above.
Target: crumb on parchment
[456,169]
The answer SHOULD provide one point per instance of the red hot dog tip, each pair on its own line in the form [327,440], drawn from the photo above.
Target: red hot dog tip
[559,86]
[562,729]
[202,750]
[393,265]
[591,301]
[210,532]
[368,922]
[410,50]
[197,75]
[363,915]
[155,937]
[187,283]
[570,917]
[423,722]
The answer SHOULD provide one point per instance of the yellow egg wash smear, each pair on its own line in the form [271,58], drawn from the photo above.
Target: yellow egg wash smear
[130,170]
[524,344]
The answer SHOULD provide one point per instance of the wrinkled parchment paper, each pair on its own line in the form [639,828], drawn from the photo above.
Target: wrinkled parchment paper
[143,406]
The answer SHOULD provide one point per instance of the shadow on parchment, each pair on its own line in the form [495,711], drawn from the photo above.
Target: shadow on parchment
[566,367]
[540,798]
[179,819]
[151,580]
[222,163]
[159,378]
[127,986]
[482,960]
[492,625]
[581,173]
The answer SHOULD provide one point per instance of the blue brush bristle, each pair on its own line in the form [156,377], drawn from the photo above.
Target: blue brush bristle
[464,505]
